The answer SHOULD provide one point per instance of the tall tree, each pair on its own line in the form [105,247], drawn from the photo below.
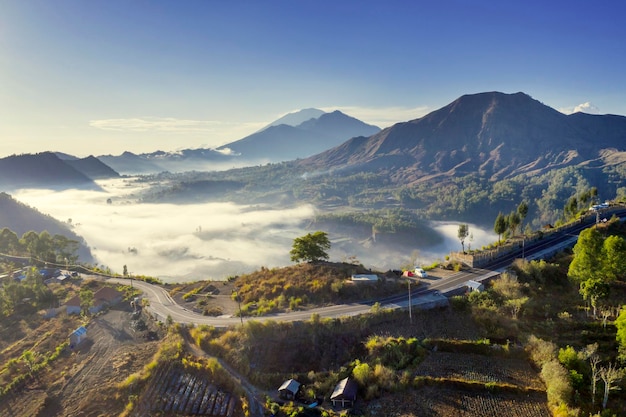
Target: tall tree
[513,222]
[9,242]
[591,353]
[614,252]
[500,225]
[522,210]
[610,375]
[587,256]
[462,234]
[310,248]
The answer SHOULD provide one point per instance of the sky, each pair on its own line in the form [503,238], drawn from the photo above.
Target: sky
[102,77]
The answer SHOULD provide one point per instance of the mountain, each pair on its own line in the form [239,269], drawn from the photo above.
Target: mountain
[42,170]
[21,218]
[295,118]
[92,167]
[177,161]
[493,134]
[283,142]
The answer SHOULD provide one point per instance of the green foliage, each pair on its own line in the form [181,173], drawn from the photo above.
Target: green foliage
[620,325]
[587,255]
[311,247]
[500,225]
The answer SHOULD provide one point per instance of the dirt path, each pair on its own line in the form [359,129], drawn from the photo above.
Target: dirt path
[256,397]
[110,354]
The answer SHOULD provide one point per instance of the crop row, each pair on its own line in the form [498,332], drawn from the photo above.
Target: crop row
[429,401]
[179,392]
[473,367]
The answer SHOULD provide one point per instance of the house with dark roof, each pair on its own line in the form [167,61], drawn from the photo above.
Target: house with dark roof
[104,297]
[289,389]
[344,394]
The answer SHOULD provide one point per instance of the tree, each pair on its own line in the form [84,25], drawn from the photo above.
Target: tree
[125,273]
[9,242]
[500,225]
[86,299]
[587,256]
[29,357]
[591,353]
[614,252]
[462,234]
[311,247]
[593,290]
[522,210]
[609,375]
[513,220]
[620,325]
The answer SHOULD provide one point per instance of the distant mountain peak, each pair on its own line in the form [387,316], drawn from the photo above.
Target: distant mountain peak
[295,118]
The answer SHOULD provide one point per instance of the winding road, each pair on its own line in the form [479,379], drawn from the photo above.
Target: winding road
[430,291]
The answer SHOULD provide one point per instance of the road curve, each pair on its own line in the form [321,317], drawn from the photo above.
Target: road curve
[162,305]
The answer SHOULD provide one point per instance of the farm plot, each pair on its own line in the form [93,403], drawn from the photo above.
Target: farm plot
[435,401]
[174,391]
[480,368]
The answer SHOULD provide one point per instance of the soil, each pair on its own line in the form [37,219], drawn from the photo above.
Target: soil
[82,382]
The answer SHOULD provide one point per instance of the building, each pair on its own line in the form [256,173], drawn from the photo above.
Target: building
[368,278]
[77,336]
[104,297]
[72,306]
[344,394]
[474,286]
[289,389]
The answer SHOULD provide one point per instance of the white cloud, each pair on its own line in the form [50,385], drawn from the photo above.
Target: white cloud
[167,124]
[586,107]
[382,116]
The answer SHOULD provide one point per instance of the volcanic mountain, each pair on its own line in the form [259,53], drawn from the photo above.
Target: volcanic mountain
[493,134]
[284,142]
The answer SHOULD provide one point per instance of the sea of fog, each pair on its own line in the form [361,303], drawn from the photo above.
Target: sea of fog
[200,241]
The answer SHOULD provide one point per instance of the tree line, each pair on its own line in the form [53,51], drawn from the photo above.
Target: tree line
[40,246]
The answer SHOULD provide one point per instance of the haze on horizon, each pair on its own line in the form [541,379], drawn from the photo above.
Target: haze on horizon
[192,242]
[105,77]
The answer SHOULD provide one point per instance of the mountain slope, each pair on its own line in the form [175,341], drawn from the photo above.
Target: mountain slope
[92,167]
[493,134]
[21,218]
[284,142]
[42,170]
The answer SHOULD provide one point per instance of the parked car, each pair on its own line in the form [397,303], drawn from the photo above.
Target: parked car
[419,272]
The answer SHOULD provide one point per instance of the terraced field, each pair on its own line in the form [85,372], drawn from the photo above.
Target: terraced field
[173,391]
[443,402]
[480,368]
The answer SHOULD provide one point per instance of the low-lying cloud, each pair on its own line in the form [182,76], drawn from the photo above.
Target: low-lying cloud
[192,242]
[586,107]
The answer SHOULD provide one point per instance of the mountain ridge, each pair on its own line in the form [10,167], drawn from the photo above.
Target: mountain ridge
[495,134]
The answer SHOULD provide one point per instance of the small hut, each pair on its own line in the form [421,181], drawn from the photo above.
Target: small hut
[77,336]
[289,389]
[474,286]
[344,394]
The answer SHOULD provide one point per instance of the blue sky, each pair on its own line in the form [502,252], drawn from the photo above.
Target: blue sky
[101,77]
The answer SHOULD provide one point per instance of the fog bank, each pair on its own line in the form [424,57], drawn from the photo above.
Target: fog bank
[207,240]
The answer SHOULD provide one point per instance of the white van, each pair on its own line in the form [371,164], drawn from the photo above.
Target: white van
[419,272]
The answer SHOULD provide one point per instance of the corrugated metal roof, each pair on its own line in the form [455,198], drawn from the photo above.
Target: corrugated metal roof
[346,389]
[290,385]
[80,331]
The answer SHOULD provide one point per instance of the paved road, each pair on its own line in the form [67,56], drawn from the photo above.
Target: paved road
[162,305]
